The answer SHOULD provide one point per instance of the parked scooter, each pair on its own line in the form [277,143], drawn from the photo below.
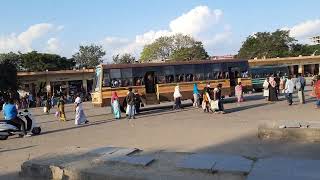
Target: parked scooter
[7,129]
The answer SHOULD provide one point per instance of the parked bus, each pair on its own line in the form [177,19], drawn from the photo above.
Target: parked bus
[260,73]
[155,82]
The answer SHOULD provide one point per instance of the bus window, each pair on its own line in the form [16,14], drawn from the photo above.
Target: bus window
[126,77]
[106,79]
[166,74]
[183,73]
[198,72]
[115,76]
[138,76]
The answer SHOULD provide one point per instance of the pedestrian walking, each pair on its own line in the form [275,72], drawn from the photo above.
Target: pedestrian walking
[130,104]
[206,99]
[317,91]
[277,79]
[239,92]
[218,99]
[282,85]
[196,96]
[289,90]
[80,117]
[137,101]
[61,112]
[272,90]
[115,105]
[53,101]
[177,97]
[300,85]
[266,89]
[47,103]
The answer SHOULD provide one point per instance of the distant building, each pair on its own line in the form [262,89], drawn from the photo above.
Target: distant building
[222,57]
[69,82]
[315,39]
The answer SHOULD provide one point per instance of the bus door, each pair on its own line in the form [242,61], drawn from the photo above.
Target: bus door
[150,82]
[233,73]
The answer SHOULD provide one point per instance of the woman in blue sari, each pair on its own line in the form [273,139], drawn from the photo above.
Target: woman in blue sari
[196,95]
[115,105]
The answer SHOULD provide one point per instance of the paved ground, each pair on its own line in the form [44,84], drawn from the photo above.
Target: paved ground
[188,130]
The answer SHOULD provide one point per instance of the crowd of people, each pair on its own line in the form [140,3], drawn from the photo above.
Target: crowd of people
[10,108]
[274,86]
[209,99]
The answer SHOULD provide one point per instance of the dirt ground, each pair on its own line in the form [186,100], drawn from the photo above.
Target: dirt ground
[188,130]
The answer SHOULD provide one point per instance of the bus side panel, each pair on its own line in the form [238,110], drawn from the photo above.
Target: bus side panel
[246,83]
[186,88]
[96,99]
[121,92]
[166,91]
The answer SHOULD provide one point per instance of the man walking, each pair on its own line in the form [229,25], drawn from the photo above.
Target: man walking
[301,83]
[130,104]
[289,90]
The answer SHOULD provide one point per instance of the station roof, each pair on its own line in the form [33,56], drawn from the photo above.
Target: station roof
[168,63]
[67,72]
[303,60]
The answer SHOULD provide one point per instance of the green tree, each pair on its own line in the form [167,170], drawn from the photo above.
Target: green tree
[266,44]
[196,52]
[8,77]
[11,57]
[89,56]
[34,61]
[123,59]
[175,47]
[305,50]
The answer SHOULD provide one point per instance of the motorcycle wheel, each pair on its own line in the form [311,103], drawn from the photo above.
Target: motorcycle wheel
[3,137]
[36,130]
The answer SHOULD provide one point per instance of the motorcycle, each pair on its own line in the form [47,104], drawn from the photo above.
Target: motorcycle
[7,129]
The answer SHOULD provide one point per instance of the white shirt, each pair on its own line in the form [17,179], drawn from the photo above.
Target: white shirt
[289,86]
[77,100]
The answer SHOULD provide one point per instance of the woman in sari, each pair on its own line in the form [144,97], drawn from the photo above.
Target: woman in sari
[272,89]
[239,92]
[317,91]
[177,97]
[206,99]
[196,94]
[80,116]
[62,115]
[115,105]
[266,89]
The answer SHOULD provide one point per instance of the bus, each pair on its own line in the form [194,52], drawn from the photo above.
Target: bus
[155,82]
[259,73]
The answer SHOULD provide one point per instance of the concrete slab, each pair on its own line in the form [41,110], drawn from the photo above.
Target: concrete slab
[125,151]
[293,124]
[277,177]
[198,162]
[233,164]
[276,168]
[134,160]
[103,151]
[130,168]
[119,152]
[302,134]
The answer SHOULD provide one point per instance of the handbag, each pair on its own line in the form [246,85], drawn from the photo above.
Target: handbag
[214,105]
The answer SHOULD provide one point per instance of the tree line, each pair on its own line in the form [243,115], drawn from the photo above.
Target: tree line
[275,44]
[177,47]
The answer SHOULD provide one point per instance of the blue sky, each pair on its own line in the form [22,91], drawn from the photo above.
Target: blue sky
[59,26]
